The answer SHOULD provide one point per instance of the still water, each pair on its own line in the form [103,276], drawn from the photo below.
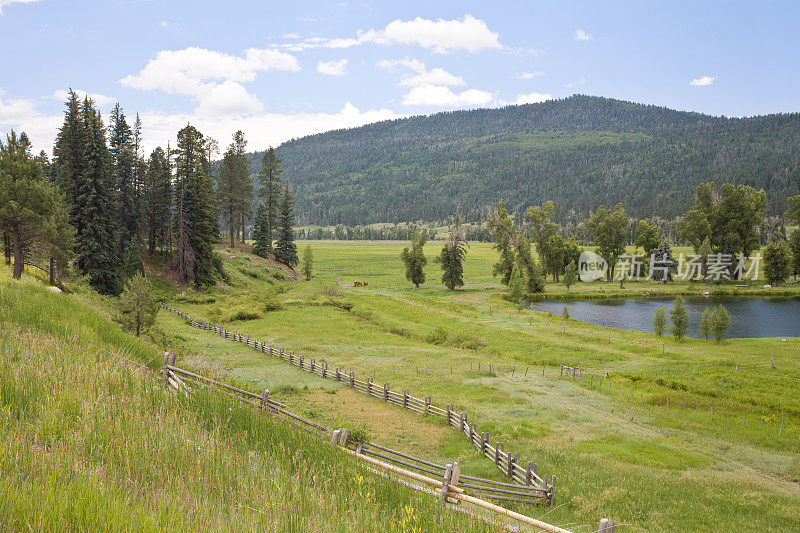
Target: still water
[750,316]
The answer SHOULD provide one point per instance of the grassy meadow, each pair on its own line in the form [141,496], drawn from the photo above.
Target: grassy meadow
[619,452]
[92,442]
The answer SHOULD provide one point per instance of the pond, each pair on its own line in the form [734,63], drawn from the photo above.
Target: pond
[750,316]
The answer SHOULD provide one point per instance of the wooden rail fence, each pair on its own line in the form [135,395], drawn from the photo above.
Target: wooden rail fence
[522,473]
[183,380]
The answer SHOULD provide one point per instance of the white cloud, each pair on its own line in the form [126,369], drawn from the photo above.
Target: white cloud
[100,100]
[422,76]
[4,3]
[13,110]
[580,83]
[529,75]
[530,98]
[439,96]
[261,129]
[291,36]
[442,36]
[581,35]
[332,68]
[703,81]
[208,75]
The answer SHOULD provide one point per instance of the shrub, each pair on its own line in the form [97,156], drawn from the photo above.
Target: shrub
[680,318]
[437,336]
[465,340]
[660,321]
[720,322]
[705,322]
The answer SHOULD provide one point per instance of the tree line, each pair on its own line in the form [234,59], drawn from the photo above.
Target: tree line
[101,203]
[725,221]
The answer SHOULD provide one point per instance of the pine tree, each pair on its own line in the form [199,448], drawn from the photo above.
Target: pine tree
[139,178]
[308,262]
[97,245]
[260,227]
[138,305]
[123,160]
[69,161]
[451,258]
[234,188]
[270,190]
[680,318]
[195,214]
[285,249]
[414,258]
[157,199]
[32,210]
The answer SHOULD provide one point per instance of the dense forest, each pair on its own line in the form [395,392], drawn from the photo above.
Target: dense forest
[579,152]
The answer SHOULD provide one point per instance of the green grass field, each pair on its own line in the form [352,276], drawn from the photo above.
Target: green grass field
[646,466]
[91,441]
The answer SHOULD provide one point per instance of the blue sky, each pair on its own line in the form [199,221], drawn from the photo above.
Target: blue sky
[279,70]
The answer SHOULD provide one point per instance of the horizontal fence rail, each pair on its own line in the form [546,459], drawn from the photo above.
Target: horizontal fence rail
[522,473]
[184,380]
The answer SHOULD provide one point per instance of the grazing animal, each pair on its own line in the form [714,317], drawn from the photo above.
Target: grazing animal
[357,284]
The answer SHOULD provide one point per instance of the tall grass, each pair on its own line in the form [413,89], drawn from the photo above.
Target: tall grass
[93,442]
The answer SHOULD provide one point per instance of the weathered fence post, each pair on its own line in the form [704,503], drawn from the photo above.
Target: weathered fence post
[166,369]
[451,475]
[352,380]
[607,526]
[427,405]
[405,398]
[264,399]
[385,392]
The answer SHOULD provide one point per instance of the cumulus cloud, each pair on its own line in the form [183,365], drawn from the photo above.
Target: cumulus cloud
[420,75]
[441,36]
[4,3]
[332,68]
[703,81]
[439,96]
[13,110]
[208,75]
[530,98]
[581,35]
[100,100]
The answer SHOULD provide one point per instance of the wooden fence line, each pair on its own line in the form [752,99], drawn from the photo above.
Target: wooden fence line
[524,473]
[183,380]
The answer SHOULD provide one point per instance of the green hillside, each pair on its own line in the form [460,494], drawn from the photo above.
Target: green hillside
[91,441]
[579,152]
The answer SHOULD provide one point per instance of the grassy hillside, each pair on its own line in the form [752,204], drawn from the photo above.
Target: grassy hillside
[642,464]
[91,441]
[578,152]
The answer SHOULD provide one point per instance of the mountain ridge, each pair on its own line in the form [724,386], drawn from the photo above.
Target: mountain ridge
[580,152]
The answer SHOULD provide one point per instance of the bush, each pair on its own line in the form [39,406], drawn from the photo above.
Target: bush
[680,318]
[219,266]
[437,336]
[660,321]
[466,341]
[720,322]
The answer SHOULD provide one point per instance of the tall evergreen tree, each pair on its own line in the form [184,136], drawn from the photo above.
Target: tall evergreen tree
[195,213]
[98,254]
[270,190]
[32,210]
[139,178]
[68,158]
[157,199]
[285,248]
[260,236]
[234,187]
[123,158]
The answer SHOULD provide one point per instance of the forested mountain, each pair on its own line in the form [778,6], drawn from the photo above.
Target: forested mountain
[579,152]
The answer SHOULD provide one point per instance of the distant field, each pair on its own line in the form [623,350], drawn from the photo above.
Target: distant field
[618,453]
